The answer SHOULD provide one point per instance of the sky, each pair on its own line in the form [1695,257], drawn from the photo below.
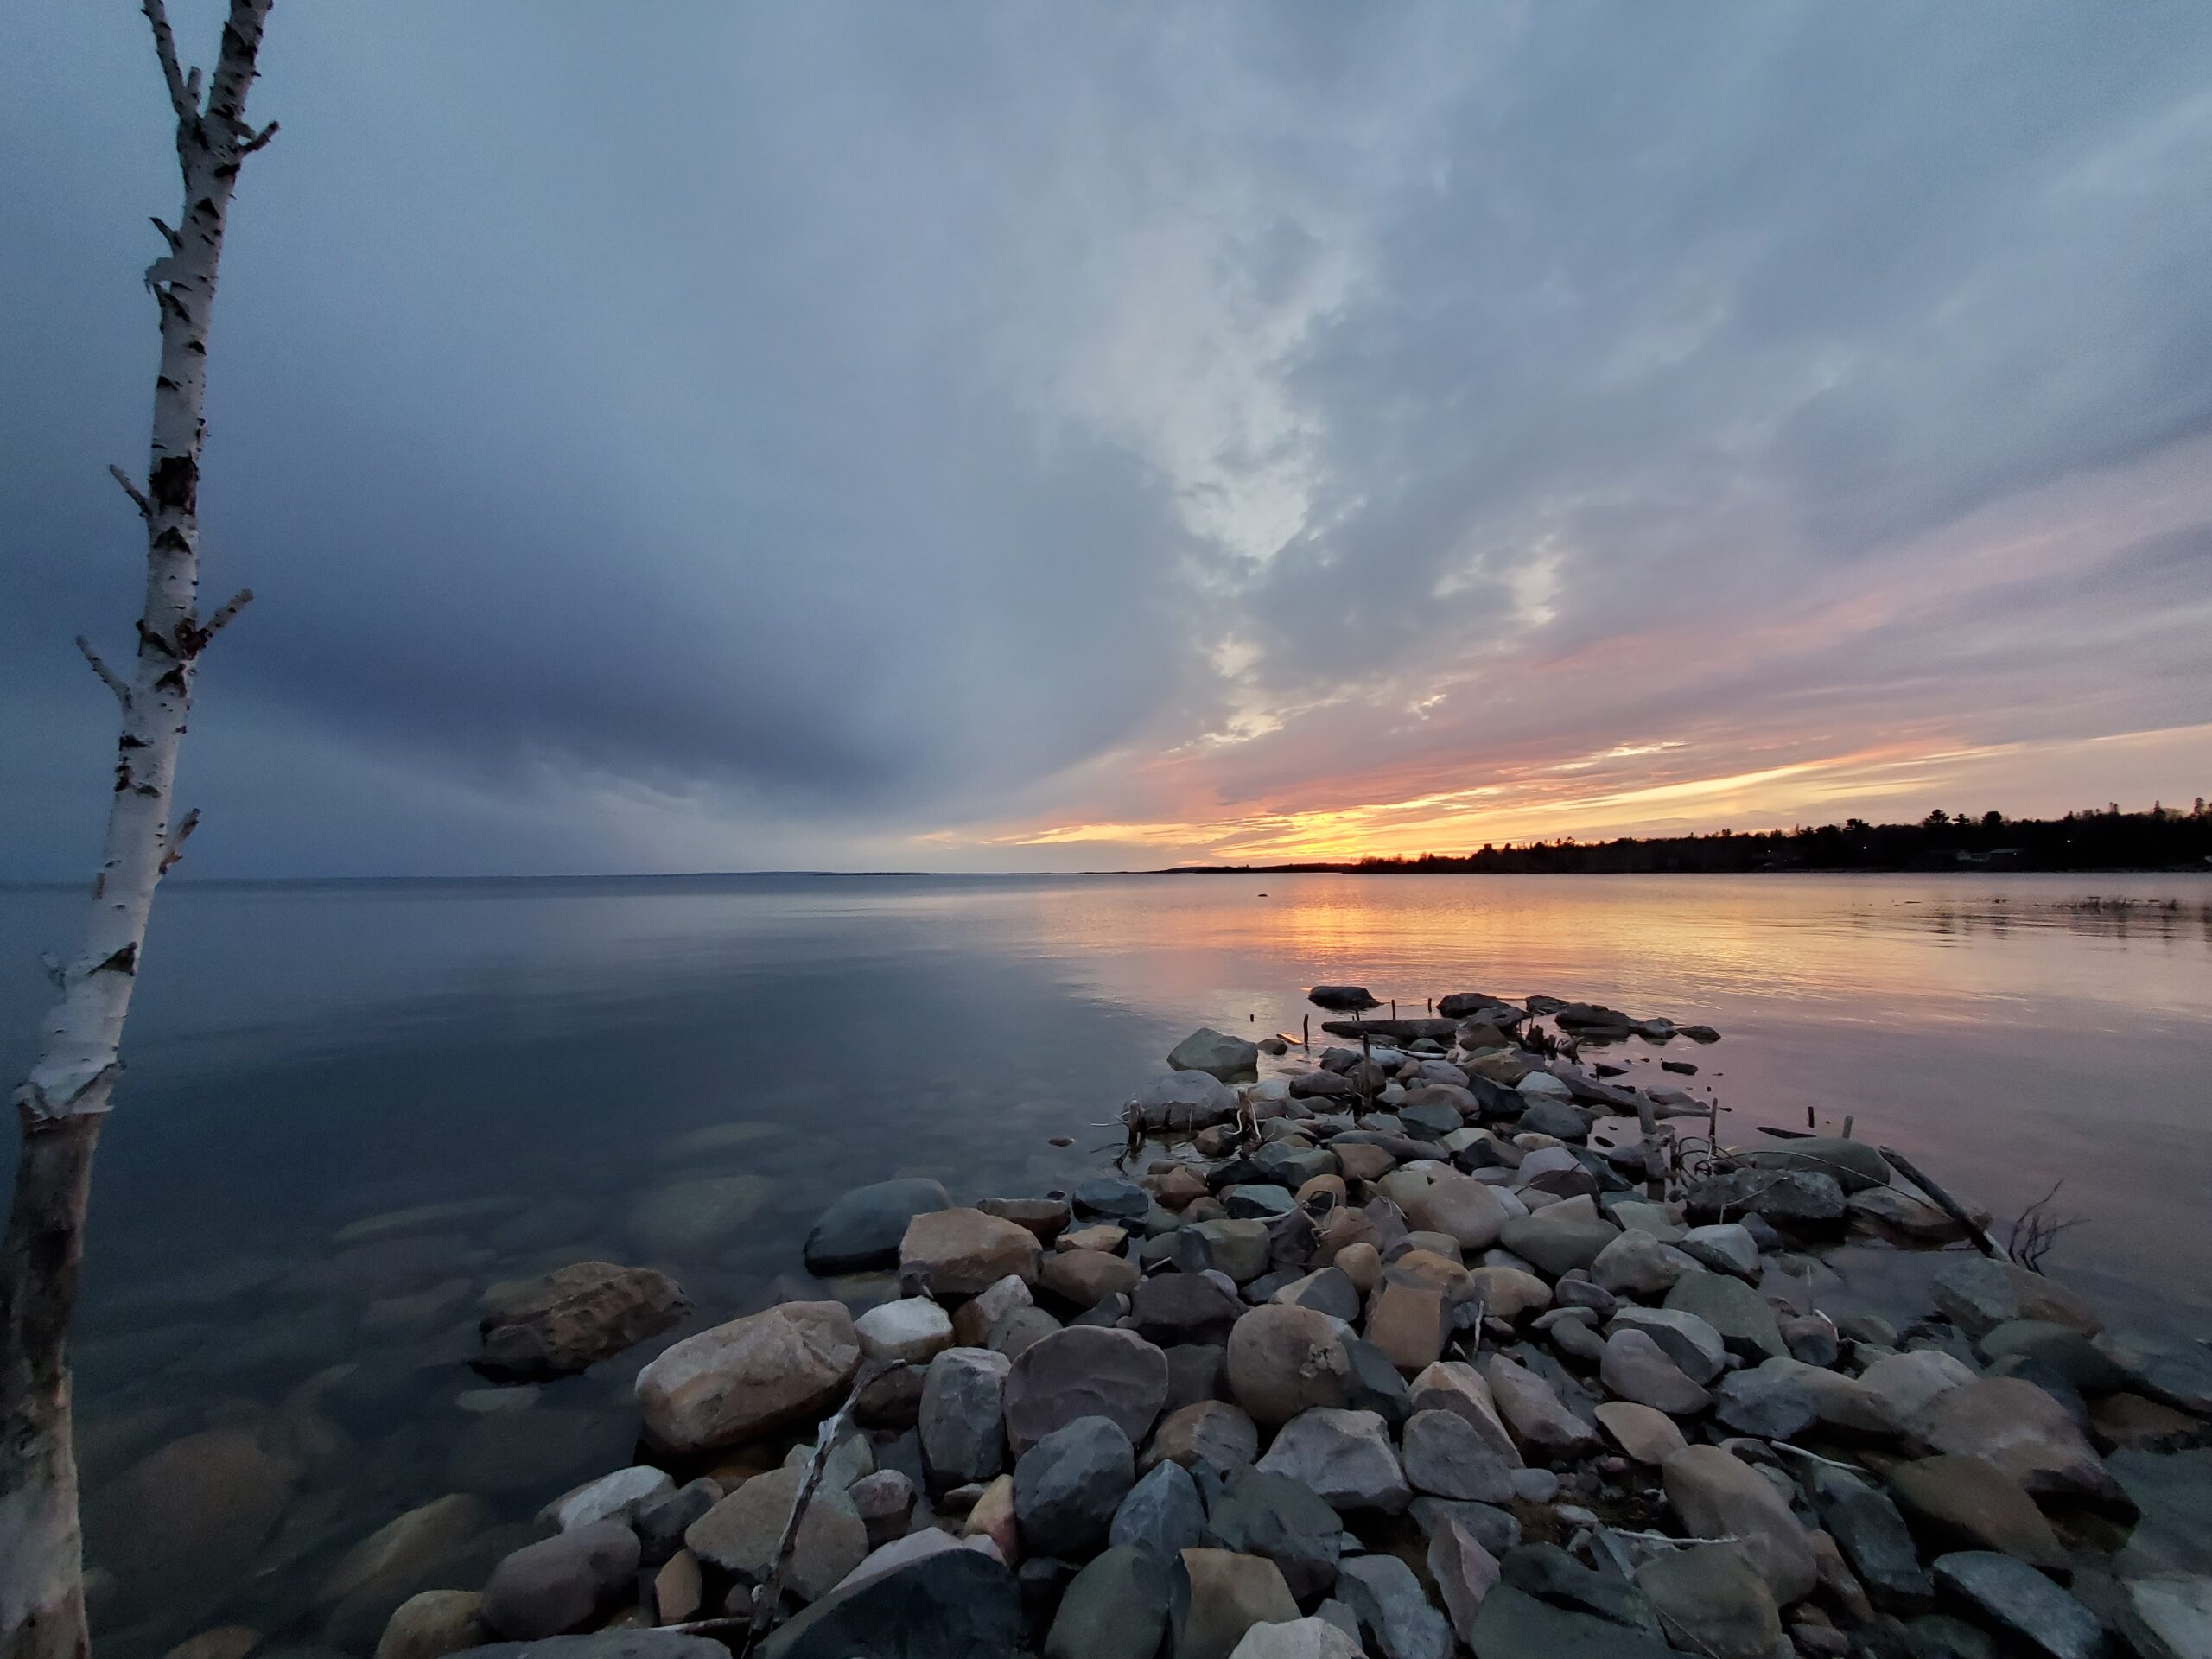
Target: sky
[1000,437]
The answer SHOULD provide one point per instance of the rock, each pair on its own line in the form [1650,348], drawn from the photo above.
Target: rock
[1375,1384]
[1068,1485]
[1969,1501]
[1096,1235]
[1116,1608]
[1220,1595]
[852,1457]
[1111,1196]
[1196,1371]
[975,1319]
[1508,1294]
[601,1644]
[1448,1202]
[1182,1102]
[574,1318]
[1453,1385]
[1556,1242]
[233,1640]
[1719,1495]
[1047,1217]
[1465,1572]
[738,1381]
[1514,1624]
[1533,1412]
[1207,1431]
[2176,1612]
[1299,1638]
[618,1496]
[394,1561]
[961,1252]
[1637,1264]
[1747,1325]
[1408,1320]
[2022,1430]
[1938,1635]
[1342,999]
[1906,1383]
[555,1585]
[1086,1278]
[955,1604]
[914,1330]
[1647,1435]
[1259,1513]
[1810,1337]
[883,1501]
[1162,1514]
[1392,1611]
[1871,1535]
[1257,1202]
[1978,1294]
[2022,1603]
[1446,1457]
[740,1536]
[1237,1248]
[1723,1247]
[1328,1290]
[862,1227]
[1084,1371]
[962,1419]
[1014,1332]
[429,1624]
[1548,1112]
[1711,1601]
[1283,1360]
[1635,1368]
[1891,1210]
[192,1513]
[1345,1457]
[1230,1058]
[2060,1350]
[1796,1197]
[1853,1164]
[2132,1422]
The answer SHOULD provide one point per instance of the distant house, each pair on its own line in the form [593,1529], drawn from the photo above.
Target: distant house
[1999,858]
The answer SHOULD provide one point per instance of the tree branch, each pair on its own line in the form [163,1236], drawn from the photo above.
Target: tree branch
[137,496]
[173,845]
[258,139]
[183,96]
[222,619]
[107,675]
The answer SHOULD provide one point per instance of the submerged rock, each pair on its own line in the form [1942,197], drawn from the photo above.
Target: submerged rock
[863,1229]
[575,1317]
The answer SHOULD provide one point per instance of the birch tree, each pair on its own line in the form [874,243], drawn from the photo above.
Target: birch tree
[71,1087]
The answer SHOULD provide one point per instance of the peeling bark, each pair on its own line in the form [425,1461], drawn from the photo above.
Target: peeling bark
[69,1089]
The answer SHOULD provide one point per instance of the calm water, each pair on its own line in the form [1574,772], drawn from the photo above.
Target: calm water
[556,1055]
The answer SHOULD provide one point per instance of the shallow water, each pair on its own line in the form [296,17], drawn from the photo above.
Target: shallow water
[566,1062]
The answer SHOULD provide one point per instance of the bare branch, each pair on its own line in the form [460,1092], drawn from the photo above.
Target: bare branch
[258,139]
[173,847]
[107,675]
[184,96]
[137,496]
[221,619]
[167,235]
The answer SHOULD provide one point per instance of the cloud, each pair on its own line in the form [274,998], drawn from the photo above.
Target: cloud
[832,437]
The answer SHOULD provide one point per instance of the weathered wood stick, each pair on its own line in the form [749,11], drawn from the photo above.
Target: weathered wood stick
[1949,1205]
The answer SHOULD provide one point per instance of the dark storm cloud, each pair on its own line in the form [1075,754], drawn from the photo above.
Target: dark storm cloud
[766,436]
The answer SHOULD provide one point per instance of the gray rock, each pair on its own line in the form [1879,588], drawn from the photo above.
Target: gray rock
[1871,1535]
[1637,1264]
[2022,1603]
[1182,1102]
[1317,1638]
[603,1644]
[1853,1164]
[962,1420]
[1393,1613]
[1328,1291]
[863,1229]
[1116,1608]
[1548,1574]
[1111,1196]
[741,1534]
[1444,1457]
[1514,1625]
[1739,1314]
[618,1496]
[1236,1246]
[884,1501]
[1723,1247]
[1253,1201]
[1711,1601]
[1802,1197]
[1494,1529]
[1938,1635]
[1533,1411]
[1068,1485]
[546,1588]
[1344,1456]
[958,1603]
[1556,1242]
[1272,1516]
[1547,1114]
[1230,1058]
[660,1525]
[1209,1432]
[1161,1515]
[1084,1371]
[2059,1351]
[1635,1368]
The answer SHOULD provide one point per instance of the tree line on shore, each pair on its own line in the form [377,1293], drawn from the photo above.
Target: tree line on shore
[2163,838]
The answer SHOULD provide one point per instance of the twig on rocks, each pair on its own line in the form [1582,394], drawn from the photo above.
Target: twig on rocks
[1949,1205]
[2034,1230]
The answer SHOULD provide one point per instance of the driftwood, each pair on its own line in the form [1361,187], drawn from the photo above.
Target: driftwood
[1949,1205]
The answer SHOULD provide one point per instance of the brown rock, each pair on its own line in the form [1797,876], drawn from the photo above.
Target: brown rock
[1647,1436]
[1508,1292]
[1455,1386]
[993,1518]
[677,1589]
[1228,1594]
[2130,1420]
[961,1252]
[1284,1359]
[2022,1430]
[742,1379]
[1406,1319]
[224,1642]
[1177,1186]
[575,1317]
[391,1561]
[1361,1162]
[1209,1431]
[434,1624]
[1100,1236]
[1719,1495]
[1087,1277]
[192,1514]
[1969,1501]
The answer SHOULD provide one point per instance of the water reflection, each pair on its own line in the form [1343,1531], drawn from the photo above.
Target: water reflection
[352,1108]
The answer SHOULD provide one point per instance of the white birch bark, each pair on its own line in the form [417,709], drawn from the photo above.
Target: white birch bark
[70,1086]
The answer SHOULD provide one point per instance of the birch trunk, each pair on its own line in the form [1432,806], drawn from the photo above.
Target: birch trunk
[70,1087]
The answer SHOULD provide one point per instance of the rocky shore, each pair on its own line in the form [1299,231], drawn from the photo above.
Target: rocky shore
[1438,1340]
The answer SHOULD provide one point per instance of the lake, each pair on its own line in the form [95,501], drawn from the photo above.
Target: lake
[682,1071]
